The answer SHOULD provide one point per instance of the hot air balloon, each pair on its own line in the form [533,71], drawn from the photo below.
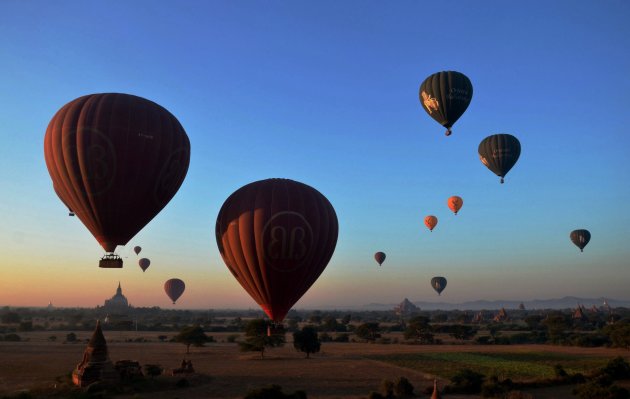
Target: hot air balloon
[380,257]
[445,96]
[580,238]
[116,160]
[431,221]
[276,237]
[455,203]
[438,284]
[174,288]
[499,153]
[137,250]
[144,264]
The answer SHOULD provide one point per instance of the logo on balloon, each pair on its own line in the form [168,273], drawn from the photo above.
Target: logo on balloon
[97,162]
[171,175]
[431,103]
[287,241]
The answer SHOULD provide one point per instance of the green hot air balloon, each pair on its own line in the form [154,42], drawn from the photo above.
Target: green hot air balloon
[580,238]
[438,284]
[499,153]
[445,96]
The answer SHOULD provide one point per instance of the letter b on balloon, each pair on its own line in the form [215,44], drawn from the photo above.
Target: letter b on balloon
[287,241]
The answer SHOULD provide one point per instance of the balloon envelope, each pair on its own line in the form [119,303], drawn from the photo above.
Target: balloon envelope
[144,263]
[430,221]
[116,160]
[137,250]
[445,96]
[438,284]
[499,153]
[580,238]
[174,288]
[380,257]
[276,236]
[455,203]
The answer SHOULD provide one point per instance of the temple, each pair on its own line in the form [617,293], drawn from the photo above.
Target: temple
[96,365]
[117,303]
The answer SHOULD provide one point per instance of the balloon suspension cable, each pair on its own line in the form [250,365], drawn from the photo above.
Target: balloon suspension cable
[448,132]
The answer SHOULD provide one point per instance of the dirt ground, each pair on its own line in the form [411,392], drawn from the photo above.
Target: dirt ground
[340,370]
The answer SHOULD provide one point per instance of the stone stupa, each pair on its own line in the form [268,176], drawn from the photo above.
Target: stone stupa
[96,365]
[436,392]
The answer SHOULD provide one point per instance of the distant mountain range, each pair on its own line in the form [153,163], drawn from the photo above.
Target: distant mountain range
[557,303]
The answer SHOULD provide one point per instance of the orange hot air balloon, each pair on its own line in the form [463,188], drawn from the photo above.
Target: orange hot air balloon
[276,237]
[455,203]
[144,264]
[430,221]
[116,160]
[174,288]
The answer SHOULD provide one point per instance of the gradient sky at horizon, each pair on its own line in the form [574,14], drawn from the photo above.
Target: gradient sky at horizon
[326,93]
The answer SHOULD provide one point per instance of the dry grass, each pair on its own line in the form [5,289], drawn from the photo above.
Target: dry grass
[339,371]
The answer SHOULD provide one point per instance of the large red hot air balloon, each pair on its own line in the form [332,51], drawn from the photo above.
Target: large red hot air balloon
[276,236]
[116,160]
[174,288]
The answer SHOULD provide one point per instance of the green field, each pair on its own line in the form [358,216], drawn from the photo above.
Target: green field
[517,366]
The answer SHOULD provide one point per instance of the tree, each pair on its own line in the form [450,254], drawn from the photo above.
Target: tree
[10,318]
[71,337]
[556,326]
[306,340]
[192,335]
[462,332]
[419,330]
[256,338]
[368,331]
[619,334]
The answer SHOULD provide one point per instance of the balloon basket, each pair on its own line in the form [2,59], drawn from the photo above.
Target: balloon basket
[111,261]
[275,329]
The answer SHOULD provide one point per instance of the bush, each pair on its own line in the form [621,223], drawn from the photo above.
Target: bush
[467,381]
[152,370]
[387,388]
[232,338]
[12,338]
[342,337]
[593,390]
[403,388]
[274,392]
[617,369]
[71,337]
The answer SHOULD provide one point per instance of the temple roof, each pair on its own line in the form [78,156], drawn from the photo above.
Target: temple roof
[98,339]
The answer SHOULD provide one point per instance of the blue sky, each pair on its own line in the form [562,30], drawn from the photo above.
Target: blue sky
[326,93]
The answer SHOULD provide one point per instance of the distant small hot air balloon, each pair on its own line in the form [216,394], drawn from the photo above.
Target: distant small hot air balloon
[174,288]
[144,263]
[445,96]
[380,257]
[580,238]
[455,203]
[499,153]
[137,250]
[438,284]
[431,221]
